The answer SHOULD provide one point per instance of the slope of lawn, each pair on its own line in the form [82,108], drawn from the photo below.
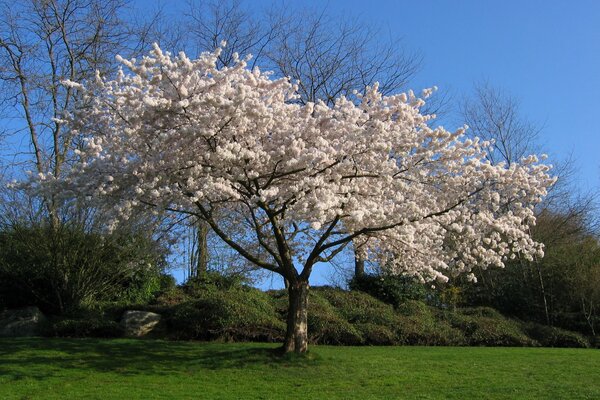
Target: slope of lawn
[38,368]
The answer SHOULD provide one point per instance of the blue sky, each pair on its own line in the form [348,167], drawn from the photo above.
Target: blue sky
[544,53]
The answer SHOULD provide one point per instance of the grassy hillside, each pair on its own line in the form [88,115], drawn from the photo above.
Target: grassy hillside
[154,369]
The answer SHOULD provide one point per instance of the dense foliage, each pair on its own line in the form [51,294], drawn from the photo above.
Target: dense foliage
[562,289]
[61,269]
[390,289]
[242,313]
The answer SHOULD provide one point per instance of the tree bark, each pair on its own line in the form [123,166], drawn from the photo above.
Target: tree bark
[202,250]
[359,260]
[296,338]
[359,266]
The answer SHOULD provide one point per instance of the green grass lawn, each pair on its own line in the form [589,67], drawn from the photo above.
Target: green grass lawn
[147,369]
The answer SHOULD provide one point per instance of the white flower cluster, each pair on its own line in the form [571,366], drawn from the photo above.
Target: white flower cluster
[181,134]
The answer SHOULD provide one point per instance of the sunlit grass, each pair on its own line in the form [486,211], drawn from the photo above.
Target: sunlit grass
[148,369]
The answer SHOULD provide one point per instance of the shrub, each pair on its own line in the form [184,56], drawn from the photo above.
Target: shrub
[236,314]
[172,296]
[167,282]
[415,308]
[62,269]
[413,323]
[486,327]
[212,280]
[421,326]
[358,307]
[279,300]
[80,328]
[327,326]
[390,289]
[374,334]
[549,336]
[449,296]
[487,312]
[114,310]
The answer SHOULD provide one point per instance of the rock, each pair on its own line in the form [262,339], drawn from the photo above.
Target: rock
[139,323]
[21,322]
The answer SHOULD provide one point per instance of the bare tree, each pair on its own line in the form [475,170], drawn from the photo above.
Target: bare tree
[212,23]
[331,58]
[43,44]
[494,115]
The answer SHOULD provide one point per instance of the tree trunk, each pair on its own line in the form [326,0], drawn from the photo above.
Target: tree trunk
[296,338]
[359,266]
[359,261]
[202,250]
[544,298]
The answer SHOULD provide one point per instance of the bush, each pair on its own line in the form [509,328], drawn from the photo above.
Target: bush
[335,317]
[549,336]
[378,335]
[326,325]
[415,308]
[390,289]
[349,318]
[370,321]
[172,296]
[413,323]
[65,268]
[486,327]
[358,307]
[421,326]
[81,328]
[487,312]
[167,282]
[231,315]
[212,280]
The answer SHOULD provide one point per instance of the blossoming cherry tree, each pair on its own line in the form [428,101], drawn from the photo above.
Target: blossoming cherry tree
[289,186]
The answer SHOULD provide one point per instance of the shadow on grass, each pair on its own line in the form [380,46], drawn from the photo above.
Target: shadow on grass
[41,358]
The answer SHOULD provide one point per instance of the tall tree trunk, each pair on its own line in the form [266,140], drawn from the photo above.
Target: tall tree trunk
[359,262]
[202,248]
[359,265]
[588,313]
[543,290]
[296,338]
